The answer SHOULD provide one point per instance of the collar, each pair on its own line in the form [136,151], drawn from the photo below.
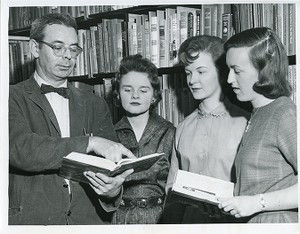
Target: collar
[154,122]
[220,110]
[41,81]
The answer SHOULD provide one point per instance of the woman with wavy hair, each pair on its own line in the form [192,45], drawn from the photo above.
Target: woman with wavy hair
[266,163]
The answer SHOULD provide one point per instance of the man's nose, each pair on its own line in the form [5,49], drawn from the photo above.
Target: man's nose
[67,53]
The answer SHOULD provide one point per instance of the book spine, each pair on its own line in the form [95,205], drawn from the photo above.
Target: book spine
[125,45]
[94,53]
[154,41]
[227,26]
[106,45]
[198,22]
[100,49]
[207,21]
[235,18]
[119,43]
[292,29]
[147,38]
[190,24]
[162,38]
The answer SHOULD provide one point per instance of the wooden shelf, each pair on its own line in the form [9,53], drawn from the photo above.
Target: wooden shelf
[20,32]
[292,59]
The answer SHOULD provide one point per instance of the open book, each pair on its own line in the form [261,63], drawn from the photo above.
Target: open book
[74,164]
[200,191]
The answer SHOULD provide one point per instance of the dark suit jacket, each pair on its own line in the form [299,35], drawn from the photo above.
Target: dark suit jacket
[37,195]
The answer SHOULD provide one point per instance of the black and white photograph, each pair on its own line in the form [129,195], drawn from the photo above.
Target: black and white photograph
[149,118]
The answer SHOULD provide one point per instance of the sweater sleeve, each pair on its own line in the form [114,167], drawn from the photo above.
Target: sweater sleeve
[287,137]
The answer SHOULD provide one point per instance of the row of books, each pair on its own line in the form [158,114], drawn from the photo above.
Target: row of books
[20,59]
[22,17]
[279,17]
[159,34]
[103,48]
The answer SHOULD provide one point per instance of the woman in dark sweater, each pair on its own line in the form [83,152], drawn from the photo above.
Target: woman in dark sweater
[142,131]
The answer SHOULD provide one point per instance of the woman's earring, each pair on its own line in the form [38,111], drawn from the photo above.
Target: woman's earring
[152,101]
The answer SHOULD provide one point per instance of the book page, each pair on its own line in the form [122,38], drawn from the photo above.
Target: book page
[130,160]
[92,160]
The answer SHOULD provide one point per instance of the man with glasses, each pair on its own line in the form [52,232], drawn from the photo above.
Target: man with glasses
[48,119]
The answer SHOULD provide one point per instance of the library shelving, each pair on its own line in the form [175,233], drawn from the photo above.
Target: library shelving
[108,33]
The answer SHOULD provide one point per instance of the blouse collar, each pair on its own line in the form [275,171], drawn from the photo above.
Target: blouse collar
[220,110]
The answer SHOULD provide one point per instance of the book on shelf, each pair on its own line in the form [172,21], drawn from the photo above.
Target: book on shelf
[170,36]
[93,50]
[154,38]
[199,191]
[161,20]
[291,31]
[183,14]
[100,48]
[227,26]
[75,164]
[209,14]
[133,20]
[146,32]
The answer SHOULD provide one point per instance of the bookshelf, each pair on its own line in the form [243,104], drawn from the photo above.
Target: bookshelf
[112,32]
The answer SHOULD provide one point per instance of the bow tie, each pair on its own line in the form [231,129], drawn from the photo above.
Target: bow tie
[64,92]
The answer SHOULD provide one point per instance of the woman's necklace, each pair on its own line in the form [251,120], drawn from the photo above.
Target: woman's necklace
[249,121]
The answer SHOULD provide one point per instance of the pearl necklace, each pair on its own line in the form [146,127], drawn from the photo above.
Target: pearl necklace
[201,115]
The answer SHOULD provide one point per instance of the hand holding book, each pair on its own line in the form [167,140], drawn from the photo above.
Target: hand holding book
[75,164]
[200,191]
[107,186]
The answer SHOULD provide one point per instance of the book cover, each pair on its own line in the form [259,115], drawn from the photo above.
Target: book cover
[75,164]
[199,190]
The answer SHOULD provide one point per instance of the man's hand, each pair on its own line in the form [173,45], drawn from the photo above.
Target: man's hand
[108,149]
[107,186]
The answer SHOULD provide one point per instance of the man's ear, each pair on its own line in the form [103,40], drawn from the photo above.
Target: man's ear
[34,48]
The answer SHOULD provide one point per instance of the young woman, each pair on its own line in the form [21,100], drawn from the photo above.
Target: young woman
[266,163]
[206,141]
[143,132]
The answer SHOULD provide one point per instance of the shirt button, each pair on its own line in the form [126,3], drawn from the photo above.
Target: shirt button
[69,213]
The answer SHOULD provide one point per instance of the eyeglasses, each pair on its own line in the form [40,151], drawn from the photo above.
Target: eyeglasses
[60,50]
